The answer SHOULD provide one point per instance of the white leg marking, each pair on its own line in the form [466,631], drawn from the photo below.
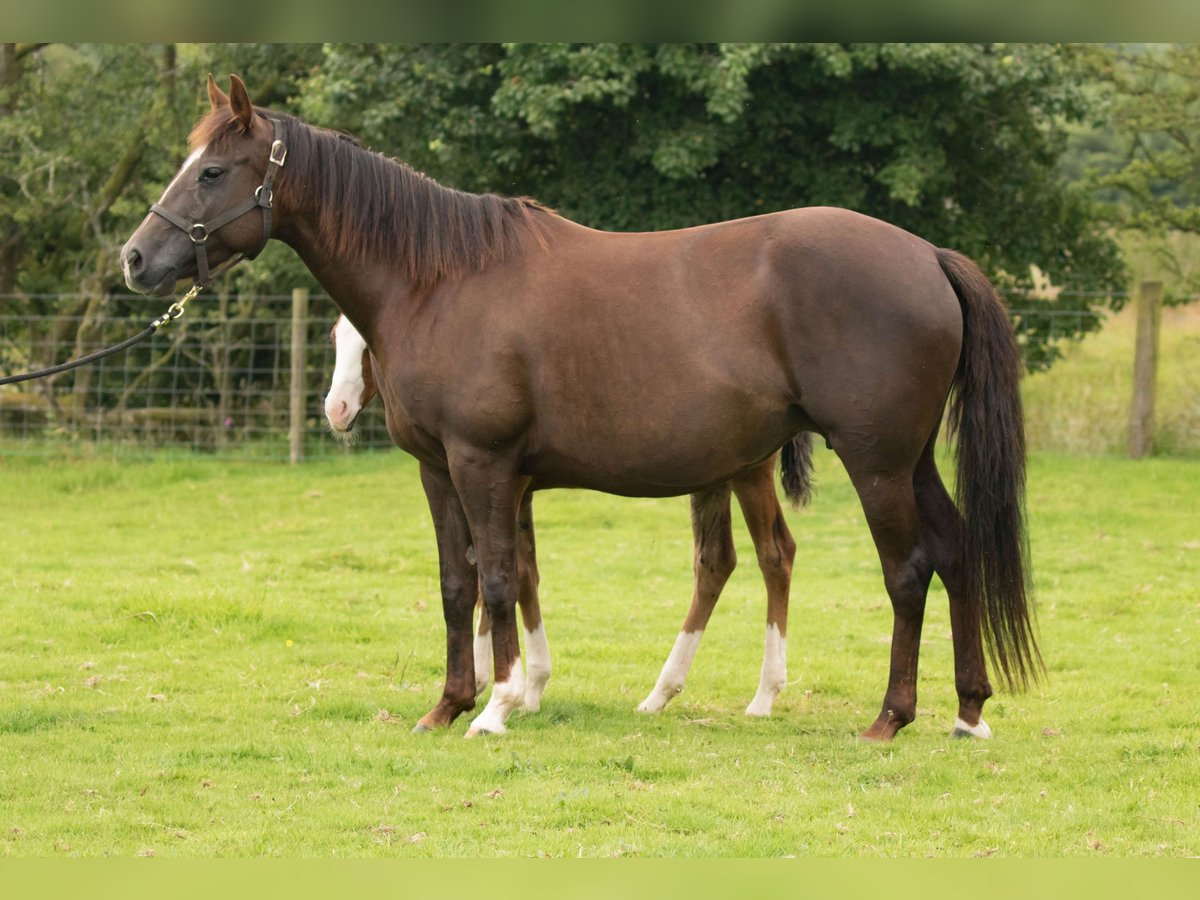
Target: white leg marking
[962,729]
[506,696]
[674,672]
[537,655]
[483,662]
[774,673]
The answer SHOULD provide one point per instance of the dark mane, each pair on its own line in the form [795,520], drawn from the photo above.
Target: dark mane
[369,205]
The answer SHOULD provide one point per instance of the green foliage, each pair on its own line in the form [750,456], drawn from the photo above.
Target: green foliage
[1150,165]
[89,136]
[957,143]
[191,669]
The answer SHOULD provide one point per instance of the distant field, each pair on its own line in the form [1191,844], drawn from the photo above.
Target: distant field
[196,659]
[1081,405]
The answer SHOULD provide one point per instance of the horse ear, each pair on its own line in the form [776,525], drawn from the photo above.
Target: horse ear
[216,96]
[239,99]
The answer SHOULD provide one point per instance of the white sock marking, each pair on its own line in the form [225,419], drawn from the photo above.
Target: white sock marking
[506,696]
[774,673]
[537,657]
[674,672]
[483,662]
[980,731]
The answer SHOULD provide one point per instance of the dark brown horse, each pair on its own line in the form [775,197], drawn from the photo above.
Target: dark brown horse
[353,387]
[518,349]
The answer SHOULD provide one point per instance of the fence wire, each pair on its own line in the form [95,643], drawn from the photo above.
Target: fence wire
[218,379]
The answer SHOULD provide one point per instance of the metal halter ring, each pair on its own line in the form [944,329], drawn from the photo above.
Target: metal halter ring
[203,233]
[258,195]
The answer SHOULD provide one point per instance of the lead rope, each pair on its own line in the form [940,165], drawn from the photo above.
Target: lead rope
[174,311]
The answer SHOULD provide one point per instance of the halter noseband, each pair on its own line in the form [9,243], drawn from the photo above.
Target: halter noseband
[199,231]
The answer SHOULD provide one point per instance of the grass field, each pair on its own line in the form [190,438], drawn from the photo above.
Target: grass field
[202,658]
[1081,404]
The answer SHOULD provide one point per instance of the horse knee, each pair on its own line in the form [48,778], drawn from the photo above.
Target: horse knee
[716,563]
[907,582]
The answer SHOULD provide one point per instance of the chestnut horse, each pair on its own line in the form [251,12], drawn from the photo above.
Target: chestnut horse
[353,388]
[516,349]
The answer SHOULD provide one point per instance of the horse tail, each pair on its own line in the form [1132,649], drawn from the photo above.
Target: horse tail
[795,470]
[986,416]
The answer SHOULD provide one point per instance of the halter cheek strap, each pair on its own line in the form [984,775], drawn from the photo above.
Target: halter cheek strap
[262,199]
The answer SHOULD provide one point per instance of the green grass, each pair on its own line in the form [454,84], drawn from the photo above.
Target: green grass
[195,658]
[1081,404]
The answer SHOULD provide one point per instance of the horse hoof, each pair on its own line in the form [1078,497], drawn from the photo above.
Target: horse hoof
[421,729]
[963,730]
[475,732]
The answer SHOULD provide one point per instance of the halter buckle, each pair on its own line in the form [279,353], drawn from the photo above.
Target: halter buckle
[278,152]
[198,233]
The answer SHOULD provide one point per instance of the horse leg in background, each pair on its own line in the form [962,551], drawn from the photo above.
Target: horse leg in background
[459,583]
[942,526]
[482,648]
[890,506]
[714,561]
[776,551]
[491,492]
[537,650]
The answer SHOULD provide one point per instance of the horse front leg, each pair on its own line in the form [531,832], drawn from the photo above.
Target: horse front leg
[459,585]
[491,491]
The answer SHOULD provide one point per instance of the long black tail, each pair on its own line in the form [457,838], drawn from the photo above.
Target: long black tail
[990,489]
[795,469]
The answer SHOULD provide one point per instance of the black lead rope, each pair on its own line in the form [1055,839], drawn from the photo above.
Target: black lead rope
[174,311]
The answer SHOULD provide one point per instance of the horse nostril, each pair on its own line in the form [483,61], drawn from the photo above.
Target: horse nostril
[133,260]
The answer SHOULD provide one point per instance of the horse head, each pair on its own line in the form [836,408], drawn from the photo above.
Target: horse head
[218,207]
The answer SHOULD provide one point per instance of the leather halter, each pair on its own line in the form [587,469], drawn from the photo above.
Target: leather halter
[199,231]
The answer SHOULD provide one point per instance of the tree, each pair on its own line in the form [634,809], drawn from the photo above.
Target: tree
[958,143]
[1154,127]
[89,135]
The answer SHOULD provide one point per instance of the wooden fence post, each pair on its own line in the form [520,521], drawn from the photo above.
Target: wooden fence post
[1145,369]
[298,386]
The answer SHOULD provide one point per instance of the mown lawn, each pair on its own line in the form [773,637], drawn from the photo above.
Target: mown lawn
[217,658]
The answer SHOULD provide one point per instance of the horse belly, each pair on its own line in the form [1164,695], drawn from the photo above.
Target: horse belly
[662,449]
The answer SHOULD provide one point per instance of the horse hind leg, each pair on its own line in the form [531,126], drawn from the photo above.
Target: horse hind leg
[890,506]
[943,526]
[776,553]
[537,649]
[714,561]
[482,648]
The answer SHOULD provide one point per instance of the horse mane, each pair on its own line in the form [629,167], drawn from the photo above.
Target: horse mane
[370,205]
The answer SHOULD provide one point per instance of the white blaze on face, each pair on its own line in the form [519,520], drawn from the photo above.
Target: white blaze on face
[344,400]
[187,164]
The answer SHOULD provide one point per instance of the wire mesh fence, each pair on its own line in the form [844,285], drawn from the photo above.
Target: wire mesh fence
[218,380]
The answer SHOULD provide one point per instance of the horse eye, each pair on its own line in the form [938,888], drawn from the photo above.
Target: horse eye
[212,173]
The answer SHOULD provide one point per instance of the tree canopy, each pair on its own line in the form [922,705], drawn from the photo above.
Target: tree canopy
[959,143]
